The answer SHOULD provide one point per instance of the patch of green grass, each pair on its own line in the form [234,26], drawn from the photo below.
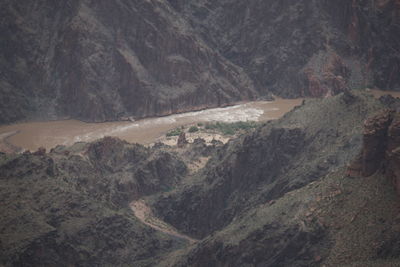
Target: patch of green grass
[231,128]
[175,132]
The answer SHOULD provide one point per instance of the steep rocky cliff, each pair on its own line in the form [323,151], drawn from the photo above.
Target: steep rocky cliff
[304,47]
[108,60]
[105,60]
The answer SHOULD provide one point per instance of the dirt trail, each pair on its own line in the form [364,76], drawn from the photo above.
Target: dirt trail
[145,215]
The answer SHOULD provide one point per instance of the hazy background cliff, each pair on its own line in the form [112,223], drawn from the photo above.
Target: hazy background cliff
[302,47]
[105,60]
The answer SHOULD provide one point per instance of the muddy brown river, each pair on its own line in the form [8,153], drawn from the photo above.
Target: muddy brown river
[32,135]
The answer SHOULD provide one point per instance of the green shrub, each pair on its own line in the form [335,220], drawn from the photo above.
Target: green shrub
[175,132]
[193,129]
[200,124]
[211,126]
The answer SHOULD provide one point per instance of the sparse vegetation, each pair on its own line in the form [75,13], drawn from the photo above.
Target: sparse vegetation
[193,129]
[231,128]
[175,132]
[222,127]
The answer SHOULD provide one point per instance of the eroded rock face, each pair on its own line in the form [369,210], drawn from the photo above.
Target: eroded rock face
[303,47]
[105,60]
[381,147]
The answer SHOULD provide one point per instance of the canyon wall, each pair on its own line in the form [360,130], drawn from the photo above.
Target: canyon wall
[105,60]
[304,47]
[108,60]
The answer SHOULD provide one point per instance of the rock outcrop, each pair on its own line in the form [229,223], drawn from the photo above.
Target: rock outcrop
[381,147]
[182,141]
[375,142]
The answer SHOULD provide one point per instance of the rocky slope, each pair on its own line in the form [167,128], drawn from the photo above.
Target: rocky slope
[335,221]
[281,195]
[109,60]
[71,206]
[344,218]
[303,146]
